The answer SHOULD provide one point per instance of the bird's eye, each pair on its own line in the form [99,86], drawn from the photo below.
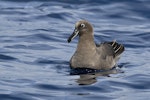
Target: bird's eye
[82,25]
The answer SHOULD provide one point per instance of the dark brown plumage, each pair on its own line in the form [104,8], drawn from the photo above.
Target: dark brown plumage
[88,54]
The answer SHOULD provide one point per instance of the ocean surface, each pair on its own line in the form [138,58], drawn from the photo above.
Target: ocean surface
[34,53]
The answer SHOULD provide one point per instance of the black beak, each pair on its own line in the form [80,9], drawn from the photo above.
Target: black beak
[74,34]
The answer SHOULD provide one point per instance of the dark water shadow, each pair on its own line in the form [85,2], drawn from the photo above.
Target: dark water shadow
[88,76]
[6,57]
[13,97]
[88,79]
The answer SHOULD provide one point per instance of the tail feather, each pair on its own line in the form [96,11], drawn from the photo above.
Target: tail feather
[118,48]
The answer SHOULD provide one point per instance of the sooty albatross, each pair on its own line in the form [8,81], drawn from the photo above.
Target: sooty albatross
[90,55]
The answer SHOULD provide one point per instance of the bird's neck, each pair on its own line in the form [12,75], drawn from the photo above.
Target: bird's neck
[86,43]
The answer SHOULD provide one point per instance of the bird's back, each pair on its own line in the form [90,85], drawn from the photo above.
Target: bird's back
[109,53]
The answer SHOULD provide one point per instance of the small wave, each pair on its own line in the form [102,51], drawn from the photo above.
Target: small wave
[6,57]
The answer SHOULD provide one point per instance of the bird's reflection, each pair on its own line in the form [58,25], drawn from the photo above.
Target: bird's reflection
[90,78]
[87,79]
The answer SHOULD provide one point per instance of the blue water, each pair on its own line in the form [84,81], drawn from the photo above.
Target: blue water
[34,53]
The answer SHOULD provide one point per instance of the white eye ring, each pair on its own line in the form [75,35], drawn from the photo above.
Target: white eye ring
[83,25]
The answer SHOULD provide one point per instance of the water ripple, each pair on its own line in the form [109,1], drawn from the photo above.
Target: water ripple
[34,53]
[6,57]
